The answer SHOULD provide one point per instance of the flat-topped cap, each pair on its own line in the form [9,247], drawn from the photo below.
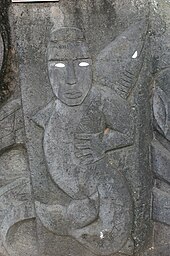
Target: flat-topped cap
[66,34]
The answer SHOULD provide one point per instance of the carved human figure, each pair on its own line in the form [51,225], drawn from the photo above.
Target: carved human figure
[83,124]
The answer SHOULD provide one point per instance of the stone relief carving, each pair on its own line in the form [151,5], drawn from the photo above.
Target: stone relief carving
[119,64]
[80,126]
[16,206]
[160,110]
[15,191]
[89,196]
[160,150]
[93,201]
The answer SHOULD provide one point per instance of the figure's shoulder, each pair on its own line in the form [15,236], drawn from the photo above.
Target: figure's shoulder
[110,95]
[95,91]
[111,102]
[42,117]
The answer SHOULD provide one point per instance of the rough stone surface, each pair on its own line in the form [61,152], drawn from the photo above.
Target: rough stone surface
[1,51]
[85,135]
[161,206]
[7,55]
[160,145]
[161,161]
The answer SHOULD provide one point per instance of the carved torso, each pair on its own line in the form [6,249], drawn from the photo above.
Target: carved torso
[95,188]
[65,122]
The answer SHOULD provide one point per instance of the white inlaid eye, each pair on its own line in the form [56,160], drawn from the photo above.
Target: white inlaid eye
[60,65]
[83,64]
[135,55]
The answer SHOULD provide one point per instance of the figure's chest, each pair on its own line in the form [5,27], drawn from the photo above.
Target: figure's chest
[92,121]
[83,119]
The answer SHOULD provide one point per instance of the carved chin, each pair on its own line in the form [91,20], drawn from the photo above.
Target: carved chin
[72,101]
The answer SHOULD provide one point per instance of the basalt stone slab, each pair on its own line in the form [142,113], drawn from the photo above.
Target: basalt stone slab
[161,116]
[73,122]
[84,72]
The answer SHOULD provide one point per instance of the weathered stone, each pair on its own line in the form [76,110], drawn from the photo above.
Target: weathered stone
[1,51]
[161,206]
[158,251]
[161,161]
[84,133]
[15,195]
[11,124]
[7,53]
[161,234]
[160,147]
[76,169]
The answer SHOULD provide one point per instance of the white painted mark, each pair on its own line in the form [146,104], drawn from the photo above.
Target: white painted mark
[60,65]
[83,64]
[135,55]
[151,248]
[101,235]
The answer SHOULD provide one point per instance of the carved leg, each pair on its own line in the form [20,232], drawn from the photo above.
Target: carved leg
[112,229]
[60,219]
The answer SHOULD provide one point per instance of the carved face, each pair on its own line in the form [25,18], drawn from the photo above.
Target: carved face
[70,72]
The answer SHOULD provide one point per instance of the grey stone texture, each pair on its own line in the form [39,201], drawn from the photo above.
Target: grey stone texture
[84,152]
[8,63]
[160,145]
[1,51]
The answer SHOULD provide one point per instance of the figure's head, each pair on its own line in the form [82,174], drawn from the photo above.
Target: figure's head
[69,66]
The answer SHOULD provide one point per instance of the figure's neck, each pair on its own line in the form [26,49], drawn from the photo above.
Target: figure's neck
[62,105]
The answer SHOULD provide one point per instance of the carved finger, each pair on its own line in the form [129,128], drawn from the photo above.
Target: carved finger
[87,160]
[83,136]
[85,145]
[83,153]
[78,154]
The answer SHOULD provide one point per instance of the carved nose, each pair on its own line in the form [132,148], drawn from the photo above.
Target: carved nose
[71,77]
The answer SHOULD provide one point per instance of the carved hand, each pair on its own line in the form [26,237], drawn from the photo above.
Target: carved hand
[89,148]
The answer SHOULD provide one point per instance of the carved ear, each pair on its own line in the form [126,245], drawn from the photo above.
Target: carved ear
[119,64]
[41,117]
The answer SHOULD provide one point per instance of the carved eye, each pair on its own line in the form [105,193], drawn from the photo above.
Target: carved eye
[83,64]
[135,55]
[60,65]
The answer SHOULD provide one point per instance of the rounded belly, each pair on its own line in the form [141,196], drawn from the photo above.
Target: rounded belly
[61,163]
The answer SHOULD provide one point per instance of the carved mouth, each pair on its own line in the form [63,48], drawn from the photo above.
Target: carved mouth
[73,94]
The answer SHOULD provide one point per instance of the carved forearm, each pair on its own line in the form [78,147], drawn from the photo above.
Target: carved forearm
[114,139]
